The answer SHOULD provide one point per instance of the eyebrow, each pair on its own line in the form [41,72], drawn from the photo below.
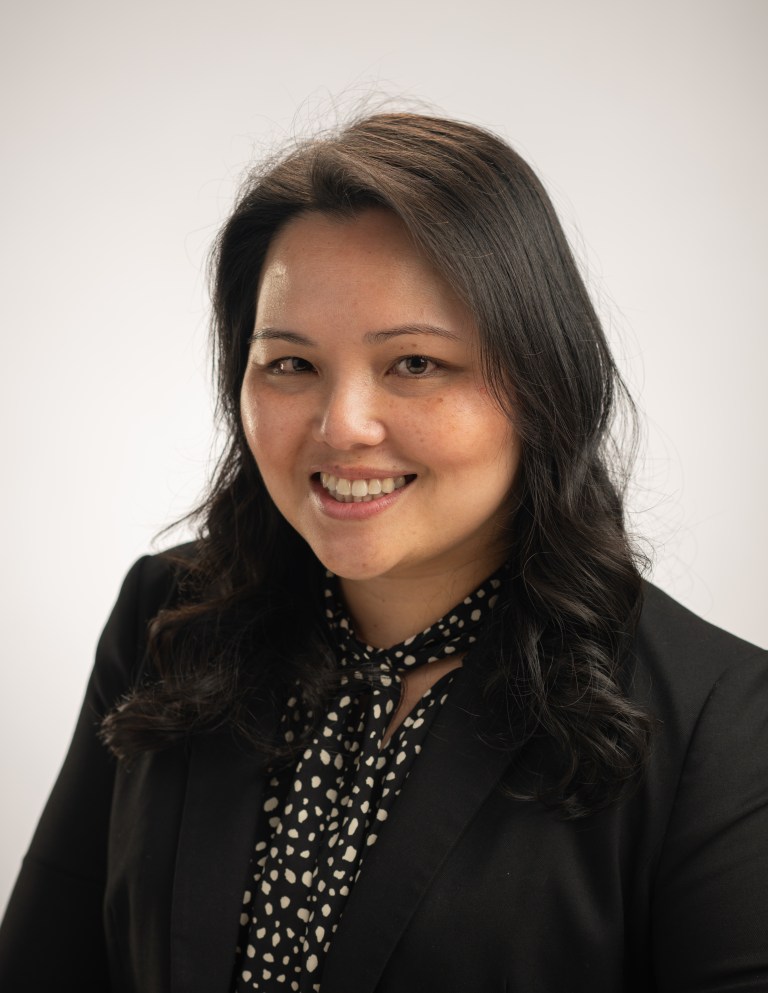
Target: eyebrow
[370,337]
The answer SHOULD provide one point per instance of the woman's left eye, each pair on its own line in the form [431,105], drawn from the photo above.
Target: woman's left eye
[413,366]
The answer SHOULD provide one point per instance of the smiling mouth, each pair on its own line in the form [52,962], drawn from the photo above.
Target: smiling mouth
[361,490]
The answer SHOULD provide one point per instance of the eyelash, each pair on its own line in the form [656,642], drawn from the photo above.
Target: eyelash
[275,368]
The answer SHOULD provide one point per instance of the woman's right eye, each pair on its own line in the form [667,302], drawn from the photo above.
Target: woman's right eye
[289,366]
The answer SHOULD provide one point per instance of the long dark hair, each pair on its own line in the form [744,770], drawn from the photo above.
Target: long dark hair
[246,623]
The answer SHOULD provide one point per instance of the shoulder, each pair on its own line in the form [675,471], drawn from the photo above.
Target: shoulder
[706,689]
[668,626]
[151,584]
[153,581]
[683,657]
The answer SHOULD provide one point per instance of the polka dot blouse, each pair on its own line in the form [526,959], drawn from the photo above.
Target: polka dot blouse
[319,817]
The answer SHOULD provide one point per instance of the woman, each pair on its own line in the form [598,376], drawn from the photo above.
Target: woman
[546,775]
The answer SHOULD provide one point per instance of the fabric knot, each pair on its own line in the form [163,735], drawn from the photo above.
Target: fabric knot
[453,634]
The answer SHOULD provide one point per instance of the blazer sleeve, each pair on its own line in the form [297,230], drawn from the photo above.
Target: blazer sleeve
[52,931]
[710,905]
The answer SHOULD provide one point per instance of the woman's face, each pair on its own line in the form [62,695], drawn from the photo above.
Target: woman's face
[365,409]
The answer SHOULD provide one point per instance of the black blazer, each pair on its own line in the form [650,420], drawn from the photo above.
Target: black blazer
[134,879]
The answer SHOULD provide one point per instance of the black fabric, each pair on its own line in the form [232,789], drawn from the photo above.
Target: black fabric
[321,816]
[140,872]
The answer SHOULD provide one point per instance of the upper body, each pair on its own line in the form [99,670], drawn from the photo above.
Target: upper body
[141,871]
[419,398]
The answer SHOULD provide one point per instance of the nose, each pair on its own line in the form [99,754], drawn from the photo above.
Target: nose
[350,416]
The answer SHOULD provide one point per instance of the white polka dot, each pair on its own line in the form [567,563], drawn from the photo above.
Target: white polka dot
[311,963]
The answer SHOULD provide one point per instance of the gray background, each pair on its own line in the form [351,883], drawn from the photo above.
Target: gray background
[125,130]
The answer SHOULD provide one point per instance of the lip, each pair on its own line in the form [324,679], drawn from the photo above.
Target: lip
[353,511]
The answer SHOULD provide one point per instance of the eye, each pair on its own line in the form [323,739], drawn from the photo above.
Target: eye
[413,366]
[290,365]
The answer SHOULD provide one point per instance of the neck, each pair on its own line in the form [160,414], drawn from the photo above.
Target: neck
[387,610]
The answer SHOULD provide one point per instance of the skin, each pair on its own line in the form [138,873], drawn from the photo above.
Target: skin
[364,363]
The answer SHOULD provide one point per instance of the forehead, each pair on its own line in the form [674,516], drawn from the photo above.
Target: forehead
[366,267]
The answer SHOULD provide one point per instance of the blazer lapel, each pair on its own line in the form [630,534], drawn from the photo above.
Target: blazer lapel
[446,786]
[220,812]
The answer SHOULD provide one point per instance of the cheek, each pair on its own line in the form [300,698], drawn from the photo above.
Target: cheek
[473,435]
[266,426]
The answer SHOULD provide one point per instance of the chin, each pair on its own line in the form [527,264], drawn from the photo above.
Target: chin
[354,571]
[353,563]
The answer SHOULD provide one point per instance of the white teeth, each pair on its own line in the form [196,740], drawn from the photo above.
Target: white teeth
[359,490]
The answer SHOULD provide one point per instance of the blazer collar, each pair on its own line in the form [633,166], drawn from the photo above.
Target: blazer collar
[454,774]
[223,799]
